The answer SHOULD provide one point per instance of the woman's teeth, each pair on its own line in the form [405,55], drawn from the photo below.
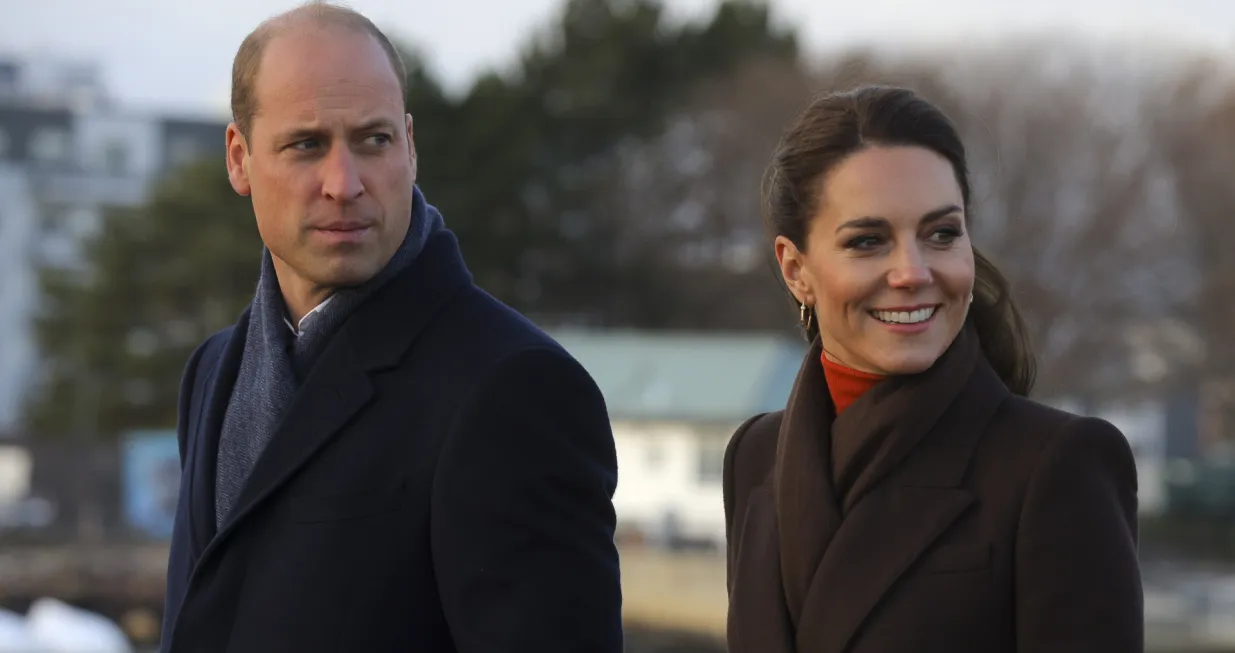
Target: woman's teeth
[904,317]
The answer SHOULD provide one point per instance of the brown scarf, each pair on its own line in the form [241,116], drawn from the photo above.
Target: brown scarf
[826,464]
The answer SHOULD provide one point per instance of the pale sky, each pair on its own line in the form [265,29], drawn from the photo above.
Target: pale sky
[176,54]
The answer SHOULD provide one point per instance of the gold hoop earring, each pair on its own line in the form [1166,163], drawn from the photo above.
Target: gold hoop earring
[805,315]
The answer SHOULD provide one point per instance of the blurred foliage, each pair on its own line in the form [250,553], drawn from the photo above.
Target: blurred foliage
[514,165]
[1198,522]
[1207,492]
[520,166]
[610,174]
[157,279]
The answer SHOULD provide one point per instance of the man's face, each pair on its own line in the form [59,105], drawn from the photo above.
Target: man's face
[329,163]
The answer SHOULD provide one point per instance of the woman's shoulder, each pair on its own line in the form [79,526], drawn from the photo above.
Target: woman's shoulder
[1023,411]
[755,438]
[1039,419]
[751,451]
[749,459]
[1044,434]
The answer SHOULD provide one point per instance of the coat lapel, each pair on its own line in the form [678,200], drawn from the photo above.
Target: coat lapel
[860,497]
[376,337]
[337,387]
[877,433]
[805,500]
[878,542]
[218,391]
[904,504]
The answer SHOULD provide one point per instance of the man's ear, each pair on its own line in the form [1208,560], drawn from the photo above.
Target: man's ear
[411,146]
[238,160]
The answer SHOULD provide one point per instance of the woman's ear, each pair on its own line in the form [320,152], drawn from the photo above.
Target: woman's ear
[792,265]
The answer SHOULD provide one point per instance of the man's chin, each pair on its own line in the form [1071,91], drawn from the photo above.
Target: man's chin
[346,274]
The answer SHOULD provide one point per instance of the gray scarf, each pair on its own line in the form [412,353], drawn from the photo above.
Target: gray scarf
[275,361]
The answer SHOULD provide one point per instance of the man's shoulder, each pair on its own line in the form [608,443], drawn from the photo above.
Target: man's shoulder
[484,338]
[490,326]
[205,357]
[212,347]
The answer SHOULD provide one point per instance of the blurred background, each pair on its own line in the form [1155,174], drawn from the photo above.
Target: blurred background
[600,161]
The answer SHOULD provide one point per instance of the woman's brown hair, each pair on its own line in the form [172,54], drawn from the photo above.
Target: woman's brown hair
[836,126]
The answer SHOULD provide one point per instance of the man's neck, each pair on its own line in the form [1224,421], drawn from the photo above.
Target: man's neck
[299,295]
[301,304]
[298,326]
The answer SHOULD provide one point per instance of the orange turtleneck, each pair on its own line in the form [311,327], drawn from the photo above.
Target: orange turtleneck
[845,383]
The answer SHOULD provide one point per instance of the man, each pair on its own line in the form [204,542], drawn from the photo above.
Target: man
[378,456]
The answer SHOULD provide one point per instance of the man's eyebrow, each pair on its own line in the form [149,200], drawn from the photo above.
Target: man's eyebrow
[375,123]
[313,131]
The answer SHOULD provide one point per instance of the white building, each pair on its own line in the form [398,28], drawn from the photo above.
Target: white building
[66,156]
[674,400]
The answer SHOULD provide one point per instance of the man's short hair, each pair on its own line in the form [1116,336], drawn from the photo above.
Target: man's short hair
[317,13]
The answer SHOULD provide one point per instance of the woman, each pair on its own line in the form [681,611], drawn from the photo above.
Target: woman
[910,498]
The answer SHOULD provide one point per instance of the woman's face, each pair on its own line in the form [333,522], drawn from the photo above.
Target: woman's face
[888,265]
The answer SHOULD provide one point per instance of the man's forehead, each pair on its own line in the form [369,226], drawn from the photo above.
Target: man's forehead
[280,122]
[348,120]
[314,95]
[336,60]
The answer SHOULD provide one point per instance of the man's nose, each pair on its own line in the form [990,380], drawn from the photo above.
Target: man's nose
[341,176]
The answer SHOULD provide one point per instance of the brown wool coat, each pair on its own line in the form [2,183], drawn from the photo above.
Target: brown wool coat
[939,513]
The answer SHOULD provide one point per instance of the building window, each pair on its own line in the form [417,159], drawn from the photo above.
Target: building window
[711,462]
[49,145]
[182,151]
[654,454]
[54,220]
[116,158]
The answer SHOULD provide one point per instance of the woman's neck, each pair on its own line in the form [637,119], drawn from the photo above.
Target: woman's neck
[846,384]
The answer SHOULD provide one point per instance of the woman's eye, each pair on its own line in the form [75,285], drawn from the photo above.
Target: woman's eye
[945,236]
[866,241]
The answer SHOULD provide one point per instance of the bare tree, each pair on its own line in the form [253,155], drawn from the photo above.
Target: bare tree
[1072,200]
[690,198]
[1197,128]
[1075,195]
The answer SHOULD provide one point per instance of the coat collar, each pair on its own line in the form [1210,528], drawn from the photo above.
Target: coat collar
[376,337]
[854,508]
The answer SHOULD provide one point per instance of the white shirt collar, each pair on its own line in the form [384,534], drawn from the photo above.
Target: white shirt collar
[298,328]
